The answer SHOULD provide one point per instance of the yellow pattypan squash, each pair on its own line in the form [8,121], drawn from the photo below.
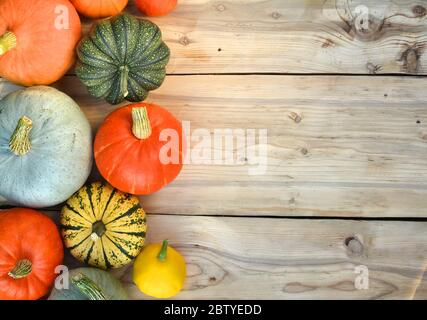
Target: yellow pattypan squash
[159,270]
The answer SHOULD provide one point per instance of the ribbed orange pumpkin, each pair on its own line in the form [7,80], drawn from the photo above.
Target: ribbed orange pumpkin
[139,148]
[99,8]
[37,40]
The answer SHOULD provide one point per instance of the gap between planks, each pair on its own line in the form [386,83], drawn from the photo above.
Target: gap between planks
[355,218]
[402,75]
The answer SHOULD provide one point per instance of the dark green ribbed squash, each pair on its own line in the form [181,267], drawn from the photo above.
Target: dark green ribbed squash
[122,58]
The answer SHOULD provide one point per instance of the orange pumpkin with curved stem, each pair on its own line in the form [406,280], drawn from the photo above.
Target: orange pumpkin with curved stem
[99,8]
[37,40]
[31,249]
[139,148]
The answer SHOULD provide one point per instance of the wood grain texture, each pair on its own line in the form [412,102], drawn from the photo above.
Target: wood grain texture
[348,146]
[271,258]
[357,147]
[260,258]
[295,36]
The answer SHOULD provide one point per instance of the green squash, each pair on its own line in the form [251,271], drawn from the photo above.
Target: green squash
[122,58]
[89,284]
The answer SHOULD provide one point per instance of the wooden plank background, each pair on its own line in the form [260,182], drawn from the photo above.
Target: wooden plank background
[296,36]
[261,258]
[357,151]
[271,258]
[342,143]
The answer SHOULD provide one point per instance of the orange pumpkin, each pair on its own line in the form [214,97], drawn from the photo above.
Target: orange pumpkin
[30,250]
[37,40]
[155,8]
[99,8]
[138,149]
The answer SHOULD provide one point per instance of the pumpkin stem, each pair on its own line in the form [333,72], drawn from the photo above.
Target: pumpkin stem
[8,41]
[19,142]
[124,74]
[98,229]
[141,123]
[22,269]
[163,251]
[87,287]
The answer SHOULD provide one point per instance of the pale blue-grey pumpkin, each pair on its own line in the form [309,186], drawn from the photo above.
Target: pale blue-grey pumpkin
[122,58]
[88,284]
[45,147]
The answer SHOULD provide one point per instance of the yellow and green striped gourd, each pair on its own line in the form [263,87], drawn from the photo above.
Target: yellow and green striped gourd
[102,226]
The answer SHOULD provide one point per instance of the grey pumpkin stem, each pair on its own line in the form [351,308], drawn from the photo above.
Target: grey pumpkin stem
[87,287]
[19,142]
[8,41]
[124,74]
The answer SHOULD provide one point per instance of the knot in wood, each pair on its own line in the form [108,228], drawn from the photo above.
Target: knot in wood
[295,117]
[419,11]
[354,246]
[184,41]
[410,59]
[276,15]
[367,27]
[220,7]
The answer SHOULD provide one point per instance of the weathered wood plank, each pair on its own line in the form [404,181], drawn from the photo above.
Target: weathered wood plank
[293,36]
[260,258]
[337,146]
[281,258]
